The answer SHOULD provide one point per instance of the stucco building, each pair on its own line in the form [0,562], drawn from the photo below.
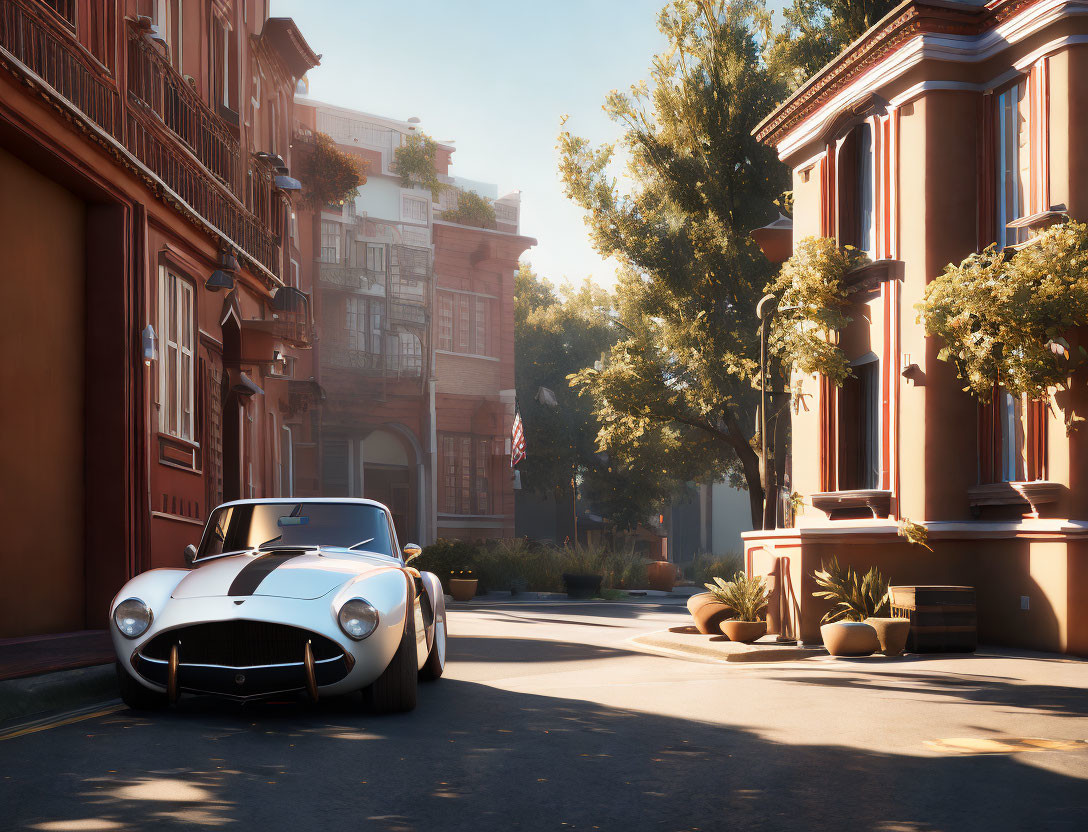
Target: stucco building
[945,128]
[415,350]
[151,275]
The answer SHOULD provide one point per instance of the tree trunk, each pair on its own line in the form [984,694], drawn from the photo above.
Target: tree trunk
[749,461]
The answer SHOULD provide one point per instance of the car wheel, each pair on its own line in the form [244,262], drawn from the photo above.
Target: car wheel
[136,696]
[394,691]
[436,659]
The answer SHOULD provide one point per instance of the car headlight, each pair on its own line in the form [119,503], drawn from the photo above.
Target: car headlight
[358,618]
[132,617]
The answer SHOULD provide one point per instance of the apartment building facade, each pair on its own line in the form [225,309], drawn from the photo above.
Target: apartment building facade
[947,127]
[415,341]
[157,307]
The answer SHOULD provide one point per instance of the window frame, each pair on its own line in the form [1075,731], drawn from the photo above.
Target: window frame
[177,294]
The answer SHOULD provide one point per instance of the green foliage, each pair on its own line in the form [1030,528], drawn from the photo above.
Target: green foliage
[472,209]
[815,31]
[449,558]
[812,305]
[677,392]
[558,333]
[705,567]
[746,597]
[329,174]
[914,533]
[414,162]
[1004,319]
[855,598]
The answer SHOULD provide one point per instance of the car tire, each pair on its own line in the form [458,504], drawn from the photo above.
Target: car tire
[394,692]
[136,696]
[436,660]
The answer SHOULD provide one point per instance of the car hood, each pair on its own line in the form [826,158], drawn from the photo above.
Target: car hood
[283,573]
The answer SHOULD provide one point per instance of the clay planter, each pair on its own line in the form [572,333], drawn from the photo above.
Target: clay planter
[708,613]
[463,589]
[661,575]
[850,638]
[744,631]
[582,586]
[891,633]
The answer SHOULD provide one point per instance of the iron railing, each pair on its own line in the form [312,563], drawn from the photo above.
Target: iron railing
[29,34]
[369,363]
[156,84]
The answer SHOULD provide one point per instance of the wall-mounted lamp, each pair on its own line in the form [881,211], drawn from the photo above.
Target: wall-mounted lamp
[286,183]
[150,345]
[227,261]
[219,280]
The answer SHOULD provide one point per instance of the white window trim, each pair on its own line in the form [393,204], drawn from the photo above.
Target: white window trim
[185,301]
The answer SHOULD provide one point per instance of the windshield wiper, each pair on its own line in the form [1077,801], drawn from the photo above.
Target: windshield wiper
[361,543]
[273,540]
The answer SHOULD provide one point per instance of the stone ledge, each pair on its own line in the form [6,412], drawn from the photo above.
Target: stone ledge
[688,641]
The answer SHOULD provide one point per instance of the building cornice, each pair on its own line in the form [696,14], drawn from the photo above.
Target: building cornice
[915,30]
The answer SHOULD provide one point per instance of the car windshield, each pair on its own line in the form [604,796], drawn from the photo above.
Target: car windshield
[269,525]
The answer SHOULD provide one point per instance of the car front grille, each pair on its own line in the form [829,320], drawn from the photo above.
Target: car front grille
[240,644]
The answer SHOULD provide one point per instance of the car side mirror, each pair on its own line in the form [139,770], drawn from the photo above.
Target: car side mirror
[411,552]
[190,554]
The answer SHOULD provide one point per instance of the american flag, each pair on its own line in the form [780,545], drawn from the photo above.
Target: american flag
[517,440]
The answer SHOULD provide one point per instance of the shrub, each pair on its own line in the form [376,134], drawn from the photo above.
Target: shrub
[706,567]
[472,209]
[448,557]
[746,597]
[855,599]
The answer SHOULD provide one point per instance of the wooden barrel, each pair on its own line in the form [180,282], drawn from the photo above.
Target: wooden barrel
[943,619]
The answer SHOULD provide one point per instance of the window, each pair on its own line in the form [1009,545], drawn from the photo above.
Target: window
[330,242]
[1012,439]
[856,192]
[176,381]
[363,324]
[1013,163]
[225,66]
[859,429]
[414,209]
[445,321]
[466,465]
[375,258]
[167,17]
[464,323]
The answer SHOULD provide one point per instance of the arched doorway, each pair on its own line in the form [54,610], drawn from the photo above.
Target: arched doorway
[389,476]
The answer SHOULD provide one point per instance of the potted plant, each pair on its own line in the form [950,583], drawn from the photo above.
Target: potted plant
[463,583]
[708,612]
[746,597]
[583,573]
[844,628]
[661,575]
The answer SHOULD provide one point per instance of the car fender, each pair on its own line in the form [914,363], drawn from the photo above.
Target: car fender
[152,587]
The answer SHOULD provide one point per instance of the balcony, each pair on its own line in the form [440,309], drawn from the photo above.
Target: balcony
[162,122]
[154,84]
[371,364]
[408,314]
[351,278]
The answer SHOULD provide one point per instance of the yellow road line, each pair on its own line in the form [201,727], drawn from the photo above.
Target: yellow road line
[56,722]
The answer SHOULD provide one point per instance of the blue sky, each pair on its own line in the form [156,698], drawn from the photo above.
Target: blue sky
[496,77]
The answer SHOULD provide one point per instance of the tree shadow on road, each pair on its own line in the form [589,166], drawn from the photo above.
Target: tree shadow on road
[475,757]
[967,689]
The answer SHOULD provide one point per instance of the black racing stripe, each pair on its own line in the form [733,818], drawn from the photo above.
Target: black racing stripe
[247,581]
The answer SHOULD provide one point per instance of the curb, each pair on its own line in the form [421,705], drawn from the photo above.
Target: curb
[666,642]
[57,691]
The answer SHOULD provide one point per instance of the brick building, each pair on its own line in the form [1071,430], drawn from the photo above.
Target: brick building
[947,127]
[157,308]
[415,350]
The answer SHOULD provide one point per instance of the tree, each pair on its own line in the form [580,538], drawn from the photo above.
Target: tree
[472,209]
[680,386]
[414,162]
[329,174]
[815,31]
[558,333]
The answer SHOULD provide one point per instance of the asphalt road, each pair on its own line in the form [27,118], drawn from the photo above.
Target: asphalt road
[549,719]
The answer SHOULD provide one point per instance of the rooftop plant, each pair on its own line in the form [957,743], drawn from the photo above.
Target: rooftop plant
[330,175]
[414,162]
[472,209]
[856,598]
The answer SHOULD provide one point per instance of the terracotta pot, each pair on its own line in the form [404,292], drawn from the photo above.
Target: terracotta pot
[708,613]
[891,633]
[463,589]
[744,631]
[661,575]
[850,638]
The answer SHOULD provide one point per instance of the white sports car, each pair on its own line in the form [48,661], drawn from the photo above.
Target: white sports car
[286,595]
